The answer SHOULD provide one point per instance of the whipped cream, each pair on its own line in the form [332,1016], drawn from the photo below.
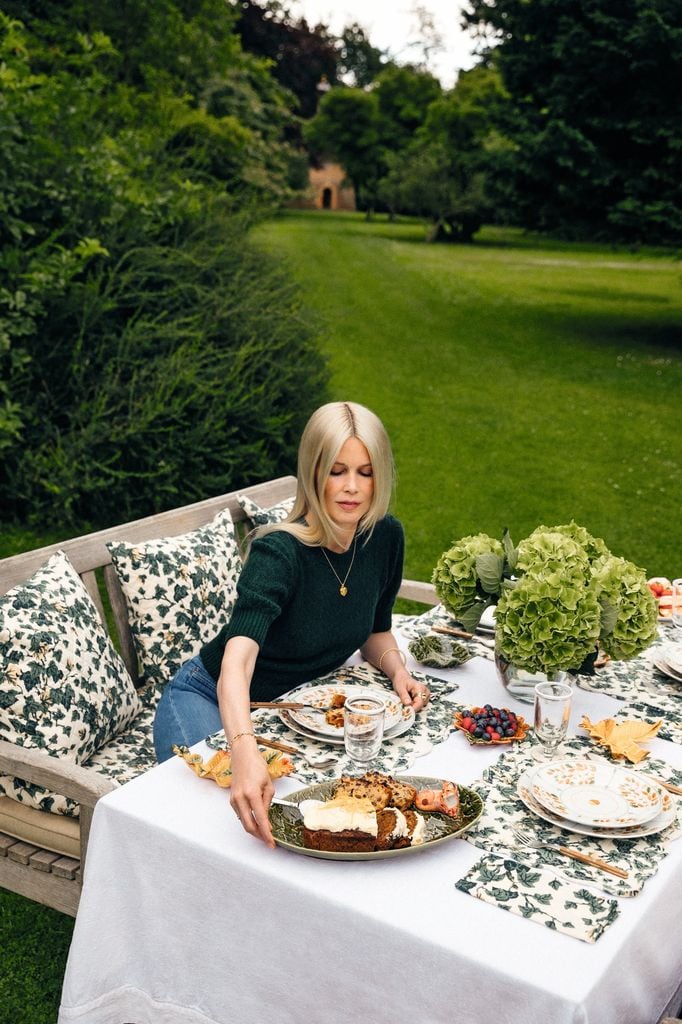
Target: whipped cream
[418,835]
[339,815]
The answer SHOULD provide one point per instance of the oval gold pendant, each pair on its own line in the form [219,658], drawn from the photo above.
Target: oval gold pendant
[343,590]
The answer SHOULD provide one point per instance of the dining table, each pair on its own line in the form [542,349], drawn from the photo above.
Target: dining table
[186,919]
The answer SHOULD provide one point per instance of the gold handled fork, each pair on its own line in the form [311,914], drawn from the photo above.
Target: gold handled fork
[325,762]
[523,839]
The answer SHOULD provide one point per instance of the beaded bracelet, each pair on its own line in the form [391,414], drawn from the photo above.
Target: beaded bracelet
[388,651]
[237,736]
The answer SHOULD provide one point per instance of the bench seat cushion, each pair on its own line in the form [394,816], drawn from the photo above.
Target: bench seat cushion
[121,759]
[179,592]
[55,832]
[131,752]
[63,687]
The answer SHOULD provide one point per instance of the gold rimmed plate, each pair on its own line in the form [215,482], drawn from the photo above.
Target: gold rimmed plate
[596,793]
[662,820]
[322,696]
[404,724]
[287,829]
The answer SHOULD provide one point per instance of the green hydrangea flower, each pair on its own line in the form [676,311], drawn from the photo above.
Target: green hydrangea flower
[552,557]
[454,575]
[629,613]
[545,628]
[594,547]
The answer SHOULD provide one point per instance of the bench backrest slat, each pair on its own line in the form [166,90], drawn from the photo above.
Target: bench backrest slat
[90,581]
[119,613]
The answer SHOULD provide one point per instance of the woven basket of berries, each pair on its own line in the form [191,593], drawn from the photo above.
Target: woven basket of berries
[486,725]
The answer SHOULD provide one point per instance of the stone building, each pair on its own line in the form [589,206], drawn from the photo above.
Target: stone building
[328,189]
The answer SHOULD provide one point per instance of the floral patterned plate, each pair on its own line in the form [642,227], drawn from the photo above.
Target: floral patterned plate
[649,828]
[405,722]
[596,793]
[288,832]
[522,728]
[321,696]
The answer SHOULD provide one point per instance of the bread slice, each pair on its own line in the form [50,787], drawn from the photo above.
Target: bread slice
[402,794]
[372,786]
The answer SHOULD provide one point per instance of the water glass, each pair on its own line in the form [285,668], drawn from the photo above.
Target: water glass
[552,712]
[363,728]
[677,603]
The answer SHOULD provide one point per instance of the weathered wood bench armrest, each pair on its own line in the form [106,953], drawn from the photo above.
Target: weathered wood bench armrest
[416,590]
[81,784]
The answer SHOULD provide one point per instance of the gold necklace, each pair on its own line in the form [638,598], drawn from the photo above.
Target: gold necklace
[343,589]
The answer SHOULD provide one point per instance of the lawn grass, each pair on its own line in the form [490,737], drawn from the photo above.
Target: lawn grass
[34,945]
[522,381]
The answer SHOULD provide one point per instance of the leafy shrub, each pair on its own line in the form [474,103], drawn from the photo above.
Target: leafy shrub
[179,372]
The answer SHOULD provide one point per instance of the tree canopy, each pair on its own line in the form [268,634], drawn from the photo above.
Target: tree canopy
[594,113]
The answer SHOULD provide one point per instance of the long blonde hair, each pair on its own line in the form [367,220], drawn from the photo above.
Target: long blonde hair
[324,435]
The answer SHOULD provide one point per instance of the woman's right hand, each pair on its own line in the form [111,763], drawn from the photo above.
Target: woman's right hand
[252,789]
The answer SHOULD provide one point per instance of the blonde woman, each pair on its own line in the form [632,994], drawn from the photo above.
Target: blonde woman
[313,590]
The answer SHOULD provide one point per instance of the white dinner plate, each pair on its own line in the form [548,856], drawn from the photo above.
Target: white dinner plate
[670,655]
[406,721]
[667,670]
[596,793]
[662,820]
[321,696]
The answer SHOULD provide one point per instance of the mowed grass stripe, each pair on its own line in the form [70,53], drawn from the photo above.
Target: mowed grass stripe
[523,381]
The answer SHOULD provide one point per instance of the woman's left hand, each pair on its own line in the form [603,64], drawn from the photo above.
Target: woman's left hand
[411,692]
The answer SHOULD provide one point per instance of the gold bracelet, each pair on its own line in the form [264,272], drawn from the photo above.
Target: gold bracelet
[397,651]
[237,736]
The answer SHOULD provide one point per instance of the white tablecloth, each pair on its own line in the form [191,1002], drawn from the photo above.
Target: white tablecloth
[184,919]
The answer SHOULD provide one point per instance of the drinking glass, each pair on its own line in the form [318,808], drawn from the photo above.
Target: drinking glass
[363,728]
[552,712]
[677,603]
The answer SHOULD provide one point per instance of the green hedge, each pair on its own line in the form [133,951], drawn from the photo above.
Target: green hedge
[150,356]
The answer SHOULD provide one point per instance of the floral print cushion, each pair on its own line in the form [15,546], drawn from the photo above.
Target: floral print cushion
[63,687]
[265,516]
[179,592]
[129,754]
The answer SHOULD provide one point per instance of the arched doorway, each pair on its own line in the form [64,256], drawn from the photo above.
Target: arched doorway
[326,199]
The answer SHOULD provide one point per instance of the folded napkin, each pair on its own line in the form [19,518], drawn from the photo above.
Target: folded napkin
[539,895]
[622,738]
[438,652]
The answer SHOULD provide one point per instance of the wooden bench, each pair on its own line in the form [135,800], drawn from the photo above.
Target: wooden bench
[40,874]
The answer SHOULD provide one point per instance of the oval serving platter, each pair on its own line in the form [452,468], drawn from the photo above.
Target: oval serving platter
[288,833]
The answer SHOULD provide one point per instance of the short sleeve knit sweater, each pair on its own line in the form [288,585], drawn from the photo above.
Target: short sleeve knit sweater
[289,603]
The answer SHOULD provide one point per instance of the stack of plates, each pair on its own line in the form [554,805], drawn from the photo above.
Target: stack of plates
[313,724]
[595,798]
[669,662]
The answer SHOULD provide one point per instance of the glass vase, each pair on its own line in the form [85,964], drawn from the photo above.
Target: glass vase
[521,684]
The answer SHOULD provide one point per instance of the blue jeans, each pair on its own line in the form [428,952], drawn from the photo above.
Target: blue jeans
[188,709]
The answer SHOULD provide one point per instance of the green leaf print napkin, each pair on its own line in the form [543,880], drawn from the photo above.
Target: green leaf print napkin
[539,895]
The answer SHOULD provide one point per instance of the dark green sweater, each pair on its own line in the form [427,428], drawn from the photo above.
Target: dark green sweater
[289,603]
